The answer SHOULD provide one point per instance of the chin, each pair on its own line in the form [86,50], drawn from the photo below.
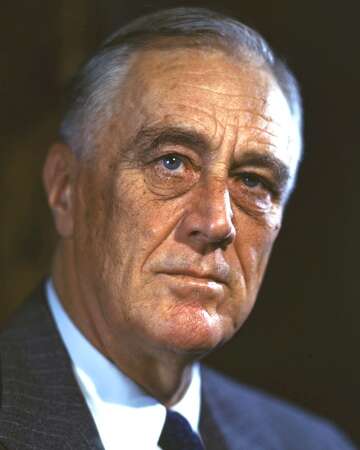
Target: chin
[194,332]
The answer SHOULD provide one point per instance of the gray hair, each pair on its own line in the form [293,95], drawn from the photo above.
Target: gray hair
[92,93]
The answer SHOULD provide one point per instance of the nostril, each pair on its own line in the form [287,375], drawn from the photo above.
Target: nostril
[226,240]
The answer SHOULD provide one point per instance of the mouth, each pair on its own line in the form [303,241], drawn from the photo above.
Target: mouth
[194,281]
[191,289]
[187,287]
[196,277]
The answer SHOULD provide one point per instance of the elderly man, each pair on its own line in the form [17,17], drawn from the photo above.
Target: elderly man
[178,153]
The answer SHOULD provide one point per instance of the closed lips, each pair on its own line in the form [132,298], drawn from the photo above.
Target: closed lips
[208,276]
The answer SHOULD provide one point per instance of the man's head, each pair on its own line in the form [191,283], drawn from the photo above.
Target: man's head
[100,79]
[168,191]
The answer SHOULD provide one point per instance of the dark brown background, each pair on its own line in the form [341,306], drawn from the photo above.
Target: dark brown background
[302,339]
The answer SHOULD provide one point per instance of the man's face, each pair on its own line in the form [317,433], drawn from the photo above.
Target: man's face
[176,215]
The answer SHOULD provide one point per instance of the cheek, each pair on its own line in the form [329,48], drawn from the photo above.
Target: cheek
[254,242]
[133,227]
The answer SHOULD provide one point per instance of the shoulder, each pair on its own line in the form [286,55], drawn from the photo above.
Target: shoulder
[29,330]
[268,419]
[26,317]
[41,405]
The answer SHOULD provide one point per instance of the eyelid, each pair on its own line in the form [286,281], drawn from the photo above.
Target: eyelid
[172,155]
[185,158]
[268,184]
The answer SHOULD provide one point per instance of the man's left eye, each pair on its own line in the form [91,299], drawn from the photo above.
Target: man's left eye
[251,180]
[171,162]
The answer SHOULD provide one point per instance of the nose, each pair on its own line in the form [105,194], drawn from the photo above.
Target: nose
[208,221]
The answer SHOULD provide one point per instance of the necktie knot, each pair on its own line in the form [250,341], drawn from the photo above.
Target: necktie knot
[177,434]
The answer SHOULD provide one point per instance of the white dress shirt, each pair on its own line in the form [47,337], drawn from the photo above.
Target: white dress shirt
[125,415]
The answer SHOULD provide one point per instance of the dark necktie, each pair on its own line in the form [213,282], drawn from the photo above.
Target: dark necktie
[177,434]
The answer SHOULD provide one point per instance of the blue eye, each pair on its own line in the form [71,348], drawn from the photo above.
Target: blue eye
[171,162]
[251,181]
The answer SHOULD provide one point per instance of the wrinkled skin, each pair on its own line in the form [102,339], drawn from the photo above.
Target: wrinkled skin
[166,231]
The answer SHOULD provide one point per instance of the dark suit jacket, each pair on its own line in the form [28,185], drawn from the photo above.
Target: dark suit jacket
[42,407]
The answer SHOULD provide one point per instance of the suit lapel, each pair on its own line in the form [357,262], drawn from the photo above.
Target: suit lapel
[226,422]
[42,406]
[210,428]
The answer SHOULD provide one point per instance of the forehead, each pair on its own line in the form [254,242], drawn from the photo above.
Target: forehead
[211,92]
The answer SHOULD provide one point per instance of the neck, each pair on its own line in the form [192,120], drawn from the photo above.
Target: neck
[163,379]
[163,374]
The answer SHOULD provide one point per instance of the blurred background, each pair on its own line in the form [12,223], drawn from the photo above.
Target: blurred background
[301,340]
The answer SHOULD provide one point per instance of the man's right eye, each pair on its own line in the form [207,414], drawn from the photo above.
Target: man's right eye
[171,162]
[171,174]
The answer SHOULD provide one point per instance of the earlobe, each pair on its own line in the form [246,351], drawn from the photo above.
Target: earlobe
[58,177]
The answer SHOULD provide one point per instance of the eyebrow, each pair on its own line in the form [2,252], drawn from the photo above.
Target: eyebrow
[150,138]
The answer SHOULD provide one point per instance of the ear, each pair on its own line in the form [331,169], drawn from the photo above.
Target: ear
[59,175]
